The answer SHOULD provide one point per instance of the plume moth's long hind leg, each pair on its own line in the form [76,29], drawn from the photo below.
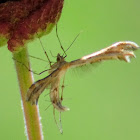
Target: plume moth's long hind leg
[59,127]
[62,89]
[60,121]
[61,98]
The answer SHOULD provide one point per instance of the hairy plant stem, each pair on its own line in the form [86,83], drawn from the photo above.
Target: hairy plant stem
[31,113]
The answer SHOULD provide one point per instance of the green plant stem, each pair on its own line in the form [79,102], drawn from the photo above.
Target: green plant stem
[31,112]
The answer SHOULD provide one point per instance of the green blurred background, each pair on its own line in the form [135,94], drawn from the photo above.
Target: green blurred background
[105,99]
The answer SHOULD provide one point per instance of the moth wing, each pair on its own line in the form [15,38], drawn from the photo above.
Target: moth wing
[39,86]
[54,95]
[36,89]
[122,50]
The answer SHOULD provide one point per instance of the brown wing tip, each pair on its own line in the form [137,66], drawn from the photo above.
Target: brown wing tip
[59,107]
[33,99]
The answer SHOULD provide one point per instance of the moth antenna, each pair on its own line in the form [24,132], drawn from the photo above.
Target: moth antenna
[72,42]
[60,41]
[44,51]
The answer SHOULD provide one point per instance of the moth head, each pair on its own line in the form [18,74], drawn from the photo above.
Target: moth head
[59,58]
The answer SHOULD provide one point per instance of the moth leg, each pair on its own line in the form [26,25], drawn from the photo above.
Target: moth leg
[29,68]
[48,107]
[48,101]
[47,93]
[62,89]
[45,52]
[37,58]
[60,129]
[52,54]
[60,121]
